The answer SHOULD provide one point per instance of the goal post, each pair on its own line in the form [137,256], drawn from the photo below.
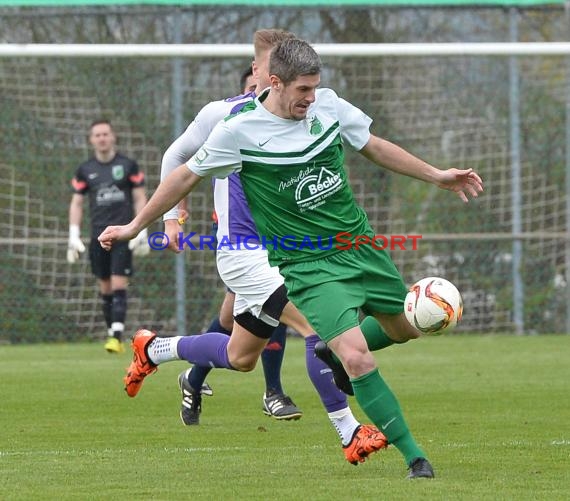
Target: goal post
[451,104]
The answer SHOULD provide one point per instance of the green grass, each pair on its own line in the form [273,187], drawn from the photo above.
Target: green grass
[493,414]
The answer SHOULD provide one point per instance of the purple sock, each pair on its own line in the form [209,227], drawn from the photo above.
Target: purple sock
[321,376]
[208,350]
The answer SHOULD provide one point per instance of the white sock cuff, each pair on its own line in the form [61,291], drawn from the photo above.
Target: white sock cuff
[164,349]
[118,326]
[340,413]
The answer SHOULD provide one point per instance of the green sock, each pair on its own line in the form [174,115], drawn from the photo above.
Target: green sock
[376,338]
[380,404]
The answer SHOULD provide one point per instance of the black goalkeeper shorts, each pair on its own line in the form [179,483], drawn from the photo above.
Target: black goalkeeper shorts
[117,261]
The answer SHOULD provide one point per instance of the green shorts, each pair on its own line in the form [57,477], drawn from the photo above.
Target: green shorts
[330,291]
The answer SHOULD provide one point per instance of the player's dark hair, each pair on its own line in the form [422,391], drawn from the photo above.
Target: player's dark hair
[244,76]
[100,121]
[294,58]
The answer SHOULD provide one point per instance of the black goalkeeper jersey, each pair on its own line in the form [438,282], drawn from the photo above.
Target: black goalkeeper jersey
[109,186]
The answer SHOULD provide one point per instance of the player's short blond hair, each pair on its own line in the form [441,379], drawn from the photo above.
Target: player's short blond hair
[266,39]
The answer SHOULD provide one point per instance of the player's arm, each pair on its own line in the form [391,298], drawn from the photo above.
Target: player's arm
[74,244]
[220,156]
[188,143]
[396,159]
[76,209]
[139,199]
[176,154]
[177,185]
[183,148]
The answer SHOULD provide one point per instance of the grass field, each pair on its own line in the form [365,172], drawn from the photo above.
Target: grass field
[493,413]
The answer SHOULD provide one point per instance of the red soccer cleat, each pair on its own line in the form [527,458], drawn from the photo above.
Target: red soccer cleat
[141,366]
[366,440]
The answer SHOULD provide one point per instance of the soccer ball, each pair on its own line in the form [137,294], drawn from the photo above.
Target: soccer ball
[433,305]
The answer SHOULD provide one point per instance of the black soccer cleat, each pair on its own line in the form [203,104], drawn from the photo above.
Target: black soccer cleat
[191,401]
[341,379]
[280,407]
[420,468]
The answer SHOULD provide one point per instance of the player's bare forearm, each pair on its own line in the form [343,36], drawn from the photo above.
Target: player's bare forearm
[396,159]
[384,153]
[139,199]
[76,209]
[176,186]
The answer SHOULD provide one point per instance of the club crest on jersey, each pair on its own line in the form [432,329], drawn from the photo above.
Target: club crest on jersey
[118,172]
[200,156]
[314,189]
[315,126]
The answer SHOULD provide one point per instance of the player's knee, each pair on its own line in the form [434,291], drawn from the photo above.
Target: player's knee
[254,325]
[357,362]
[243,363]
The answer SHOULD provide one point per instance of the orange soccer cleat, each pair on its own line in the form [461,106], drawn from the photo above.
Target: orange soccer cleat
[366,440]
[141,366]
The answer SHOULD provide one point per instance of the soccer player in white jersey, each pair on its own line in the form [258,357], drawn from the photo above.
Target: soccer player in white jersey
[260,295]
[288,146]
[276,403]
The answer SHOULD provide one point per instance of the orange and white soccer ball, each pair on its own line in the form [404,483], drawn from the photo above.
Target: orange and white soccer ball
[433,305]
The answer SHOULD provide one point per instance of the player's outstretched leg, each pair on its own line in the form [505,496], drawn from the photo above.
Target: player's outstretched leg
[240,351]
[150,350]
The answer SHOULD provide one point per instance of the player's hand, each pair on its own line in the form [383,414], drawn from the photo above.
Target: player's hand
[172,229]
[463,182]
[139,244]
[182,216]
[74,245]
[112,234]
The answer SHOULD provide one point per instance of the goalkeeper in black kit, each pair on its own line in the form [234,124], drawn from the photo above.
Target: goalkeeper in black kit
[115,188]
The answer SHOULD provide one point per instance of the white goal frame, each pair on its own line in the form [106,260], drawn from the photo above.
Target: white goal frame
[334,49]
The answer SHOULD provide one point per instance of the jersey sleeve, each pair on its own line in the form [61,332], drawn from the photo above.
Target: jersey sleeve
[189,142]
[195,135]
[136,176]
[354,124]
[79,183]
[219,156]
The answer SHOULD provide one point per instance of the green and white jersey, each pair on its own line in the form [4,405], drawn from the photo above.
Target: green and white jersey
[292,173]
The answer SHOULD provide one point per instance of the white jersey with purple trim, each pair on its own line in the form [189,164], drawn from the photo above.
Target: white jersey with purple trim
[234,216]
[246,272]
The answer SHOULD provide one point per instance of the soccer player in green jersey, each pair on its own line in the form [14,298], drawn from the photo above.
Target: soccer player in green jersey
[288,146]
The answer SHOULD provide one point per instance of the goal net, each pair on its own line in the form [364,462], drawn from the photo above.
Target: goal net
[510,123]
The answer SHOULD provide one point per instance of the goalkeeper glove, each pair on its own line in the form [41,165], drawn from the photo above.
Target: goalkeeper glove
[139,244]
[74,245]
